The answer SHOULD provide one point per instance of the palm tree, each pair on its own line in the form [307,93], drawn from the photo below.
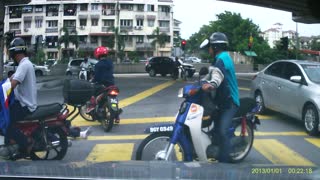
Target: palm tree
[120,40]
[160,39]
[68,38]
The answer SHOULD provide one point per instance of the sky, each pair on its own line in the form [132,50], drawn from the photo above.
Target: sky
[195,14]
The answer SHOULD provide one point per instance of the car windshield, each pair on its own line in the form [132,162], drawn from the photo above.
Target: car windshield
[313,72]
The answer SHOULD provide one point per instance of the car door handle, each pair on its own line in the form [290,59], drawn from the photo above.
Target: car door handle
[279,87]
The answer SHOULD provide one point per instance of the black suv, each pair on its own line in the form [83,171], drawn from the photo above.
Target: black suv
[164,66]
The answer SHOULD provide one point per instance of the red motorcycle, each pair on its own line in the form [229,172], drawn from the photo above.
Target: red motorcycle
[48,128]
[102,107]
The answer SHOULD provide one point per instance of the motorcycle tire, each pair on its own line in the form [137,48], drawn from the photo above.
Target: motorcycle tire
[59,151]
[241,144]
[108,122]
[84,115]
[159,141]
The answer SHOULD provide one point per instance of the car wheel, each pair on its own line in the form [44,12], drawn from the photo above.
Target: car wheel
[69,73]
[152,73]
[39,73]
[311,119]
[259,99]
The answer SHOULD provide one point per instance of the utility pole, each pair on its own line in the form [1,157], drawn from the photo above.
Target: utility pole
[117,31]
[297,41]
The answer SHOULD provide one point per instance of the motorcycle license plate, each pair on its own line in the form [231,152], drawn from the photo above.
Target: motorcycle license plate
[113,101]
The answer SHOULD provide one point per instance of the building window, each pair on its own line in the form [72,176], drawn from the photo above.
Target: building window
[140,7]
[125,22]
[52,41]
[128,7]
[150,23]
[27,9]
[139,22]
[94,22]
[108,9]
[52,10]
[15,12]
[83,7]
[52,55]
[69,23]
[14,25]
[150,7]
[70,9]
[27,24]
[83,39]
[108,23]
[164,24]
[164,9]
[94,40]
[38,23]
[83,22]
[39,8]
[52,24]
[94,7]
[139,39]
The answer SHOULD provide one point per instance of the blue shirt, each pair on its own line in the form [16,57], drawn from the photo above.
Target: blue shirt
[229,86]
[103,72]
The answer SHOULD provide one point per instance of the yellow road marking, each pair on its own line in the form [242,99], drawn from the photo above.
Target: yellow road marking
[280,154]
[111,152]
[313,141]
[144,94]
[280,133]
[244,89]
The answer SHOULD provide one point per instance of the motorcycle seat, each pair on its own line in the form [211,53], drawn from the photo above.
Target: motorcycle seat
[44,111]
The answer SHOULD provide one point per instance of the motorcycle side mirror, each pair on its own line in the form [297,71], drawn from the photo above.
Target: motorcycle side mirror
[204,71]
[204,43]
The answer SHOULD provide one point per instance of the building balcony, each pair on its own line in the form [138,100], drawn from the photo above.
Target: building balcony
[27,18]
[164,29]
[88,45]
[126,28]
[163,16]
[106,29]
[144,46]
[52,30]
[83,16]
[108,12]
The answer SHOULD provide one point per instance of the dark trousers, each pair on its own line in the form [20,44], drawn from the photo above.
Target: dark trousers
[224,124]
[17,113]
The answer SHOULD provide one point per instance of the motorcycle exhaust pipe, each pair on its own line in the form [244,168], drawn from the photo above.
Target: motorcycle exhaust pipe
[57,143]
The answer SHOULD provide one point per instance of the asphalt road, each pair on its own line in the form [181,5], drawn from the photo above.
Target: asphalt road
[279,142]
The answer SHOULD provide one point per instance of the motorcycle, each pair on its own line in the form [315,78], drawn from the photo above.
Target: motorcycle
[194,135]
[179,72]
[47,128]
[85,74]
[102,107]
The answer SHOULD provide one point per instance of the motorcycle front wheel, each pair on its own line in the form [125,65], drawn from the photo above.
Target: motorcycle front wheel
[55,148]
[84,114]
[154,147]
[241,143]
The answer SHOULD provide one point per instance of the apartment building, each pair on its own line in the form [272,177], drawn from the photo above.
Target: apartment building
[94,22]
[274,34]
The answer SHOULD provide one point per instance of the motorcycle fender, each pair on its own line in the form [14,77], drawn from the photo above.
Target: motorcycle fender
[200,140]
[160,128]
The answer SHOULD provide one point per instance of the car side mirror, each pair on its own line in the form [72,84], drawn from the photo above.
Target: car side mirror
[296,79]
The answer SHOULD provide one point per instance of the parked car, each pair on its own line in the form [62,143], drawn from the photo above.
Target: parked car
[10,67]
[74,65]
[165,65]
[291,87]
[50,63]
[193,60]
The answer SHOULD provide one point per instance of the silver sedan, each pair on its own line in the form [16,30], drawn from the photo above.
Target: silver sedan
[291,87]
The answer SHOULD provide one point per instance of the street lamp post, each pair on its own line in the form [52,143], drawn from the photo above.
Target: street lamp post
[117,31]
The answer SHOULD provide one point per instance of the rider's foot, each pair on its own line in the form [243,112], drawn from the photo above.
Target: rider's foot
[84,134]
[117,121]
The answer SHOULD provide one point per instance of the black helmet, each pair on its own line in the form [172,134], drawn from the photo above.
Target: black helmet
[17,46]
[218,41]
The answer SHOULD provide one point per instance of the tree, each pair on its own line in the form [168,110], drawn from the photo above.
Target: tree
[4,3]
[315,44]
[238,31]
[120,38]
[68,38]
[159,39]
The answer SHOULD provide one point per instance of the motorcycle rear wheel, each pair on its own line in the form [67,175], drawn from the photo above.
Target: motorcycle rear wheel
[51,151]
[84,114]
[241,144]
[153,148]
[107,123]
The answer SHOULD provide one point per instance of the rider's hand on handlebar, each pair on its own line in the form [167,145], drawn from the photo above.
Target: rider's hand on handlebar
[207,87]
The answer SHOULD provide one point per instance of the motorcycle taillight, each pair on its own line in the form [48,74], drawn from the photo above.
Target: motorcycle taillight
[114,92]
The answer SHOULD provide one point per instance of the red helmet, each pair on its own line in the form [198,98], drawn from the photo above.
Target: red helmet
[100,51]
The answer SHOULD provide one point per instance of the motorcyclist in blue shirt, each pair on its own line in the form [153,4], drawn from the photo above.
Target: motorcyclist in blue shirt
[227,95]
